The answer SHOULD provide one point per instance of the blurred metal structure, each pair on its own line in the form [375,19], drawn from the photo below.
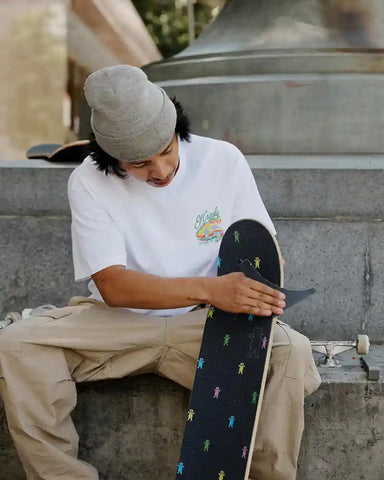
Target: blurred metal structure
[286,77]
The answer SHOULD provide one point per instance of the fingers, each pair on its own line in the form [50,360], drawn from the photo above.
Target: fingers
[237,293]
[264,300]
[267,299]
[264,289]
[259,308]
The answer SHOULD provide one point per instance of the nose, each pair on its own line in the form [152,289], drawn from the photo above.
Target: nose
[160,171]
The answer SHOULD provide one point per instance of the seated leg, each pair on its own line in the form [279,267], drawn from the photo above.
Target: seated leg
[292,375]
[41,358]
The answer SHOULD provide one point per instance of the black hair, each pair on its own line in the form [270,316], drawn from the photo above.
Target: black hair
[110,165]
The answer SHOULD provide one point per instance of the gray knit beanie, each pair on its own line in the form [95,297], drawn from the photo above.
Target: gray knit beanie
[132,118]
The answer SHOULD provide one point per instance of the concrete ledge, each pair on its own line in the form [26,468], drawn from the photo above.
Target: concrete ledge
[330,227]
[344,262]
[132,428]
[312,192]
[36,188]
[344,435]
[36,262]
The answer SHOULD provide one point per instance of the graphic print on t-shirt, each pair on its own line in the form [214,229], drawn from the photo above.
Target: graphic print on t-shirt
[208,226]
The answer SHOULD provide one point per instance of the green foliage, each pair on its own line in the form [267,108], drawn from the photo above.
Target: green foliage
[167,22]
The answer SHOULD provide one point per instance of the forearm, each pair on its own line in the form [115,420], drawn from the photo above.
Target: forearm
[132,289]
[233,292]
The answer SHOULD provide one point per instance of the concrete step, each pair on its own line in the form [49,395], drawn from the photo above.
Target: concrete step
[132,428]
[344,435]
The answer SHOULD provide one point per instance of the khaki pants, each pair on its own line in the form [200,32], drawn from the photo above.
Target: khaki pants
[41,359]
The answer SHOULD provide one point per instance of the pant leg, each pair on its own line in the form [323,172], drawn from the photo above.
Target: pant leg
[39,395]
[40,360]
[182,347]
[292,375]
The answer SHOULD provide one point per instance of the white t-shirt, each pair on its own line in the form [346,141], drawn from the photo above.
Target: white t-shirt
[173,231]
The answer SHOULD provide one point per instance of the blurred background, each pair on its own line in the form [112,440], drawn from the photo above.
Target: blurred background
[49,47]
[309,71]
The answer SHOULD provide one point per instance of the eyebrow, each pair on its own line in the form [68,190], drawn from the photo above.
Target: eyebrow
[166,148]
[143,161]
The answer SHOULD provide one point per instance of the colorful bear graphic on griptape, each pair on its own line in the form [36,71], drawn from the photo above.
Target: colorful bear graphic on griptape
[226,340]
[191,414]
[180,468]
[236,236]
[206,444]
[241,368]
[244,452]
[216,392]
[264,342]
[221,475]
[210,312]
[231,421]
[255,396]
[200,363]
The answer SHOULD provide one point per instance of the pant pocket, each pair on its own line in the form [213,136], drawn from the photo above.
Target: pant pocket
[299,359]
[58,313]
[312,380]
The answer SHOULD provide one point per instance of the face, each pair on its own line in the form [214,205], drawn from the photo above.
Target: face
[158,170]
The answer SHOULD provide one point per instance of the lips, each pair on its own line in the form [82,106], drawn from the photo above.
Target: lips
[162,183]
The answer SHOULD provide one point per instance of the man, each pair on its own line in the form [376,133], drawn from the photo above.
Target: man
[149,207]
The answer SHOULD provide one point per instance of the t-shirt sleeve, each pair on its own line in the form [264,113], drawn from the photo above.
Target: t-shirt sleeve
[97,242]
[248,202]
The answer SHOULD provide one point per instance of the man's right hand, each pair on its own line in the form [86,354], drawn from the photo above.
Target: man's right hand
[237,293]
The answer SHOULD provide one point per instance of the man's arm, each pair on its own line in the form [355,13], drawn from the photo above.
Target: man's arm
[234,292]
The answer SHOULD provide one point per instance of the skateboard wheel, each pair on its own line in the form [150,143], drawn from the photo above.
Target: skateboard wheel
[362,344]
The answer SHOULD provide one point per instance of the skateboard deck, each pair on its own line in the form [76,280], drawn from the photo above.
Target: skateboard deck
[54,152]
[231,371]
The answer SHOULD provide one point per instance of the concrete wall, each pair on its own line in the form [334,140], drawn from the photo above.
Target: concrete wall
[35,245]
[329,222]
